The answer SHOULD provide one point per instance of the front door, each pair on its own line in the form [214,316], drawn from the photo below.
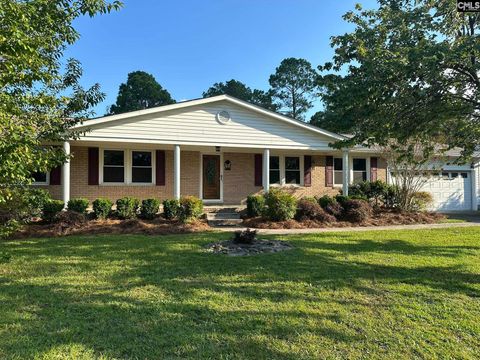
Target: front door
[211,177]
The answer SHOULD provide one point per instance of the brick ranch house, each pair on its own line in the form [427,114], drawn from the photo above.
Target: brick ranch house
[220,149]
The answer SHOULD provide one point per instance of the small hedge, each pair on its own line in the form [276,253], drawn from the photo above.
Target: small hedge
[309,209]
[102,208]
[170,208]
[51,209]
[255,205]
[78,205]
[280,205]
[356,210]
[127,207]
[149,208]
[422,200]
[191,208]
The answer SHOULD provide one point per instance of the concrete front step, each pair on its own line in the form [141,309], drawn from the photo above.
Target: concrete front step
[224,222]
[222,215]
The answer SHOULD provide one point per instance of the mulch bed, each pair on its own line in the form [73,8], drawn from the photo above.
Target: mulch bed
[80,225]
[383,218]
[259,246]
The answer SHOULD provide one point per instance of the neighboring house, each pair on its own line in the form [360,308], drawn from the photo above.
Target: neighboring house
[220,149]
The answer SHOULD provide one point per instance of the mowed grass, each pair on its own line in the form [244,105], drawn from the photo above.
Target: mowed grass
[370,295]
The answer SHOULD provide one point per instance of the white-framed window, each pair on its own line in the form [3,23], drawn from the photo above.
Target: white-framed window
[142,167]
[113,166]
[41,178]
[275,170]
[292,170]
[359,167]
[337,171]
[286,170]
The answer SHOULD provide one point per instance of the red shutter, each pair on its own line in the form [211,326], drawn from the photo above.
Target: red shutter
[258,169]
[307,172]
[56,176]
[373,168]
[329,171]
[93,156]
[160,168]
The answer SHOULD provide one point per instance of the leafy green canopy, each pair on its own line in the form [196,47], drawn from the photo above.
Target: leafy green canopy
[412,77]
[241,91]
[39,98]
[141,91]
[293,86]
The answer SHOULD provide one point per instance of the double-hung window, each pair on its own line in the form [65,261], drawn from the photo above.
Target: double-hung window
[142,167]
[338,171]
[113,166]
[40,178]
[274,169]
[292,170]
[359,170]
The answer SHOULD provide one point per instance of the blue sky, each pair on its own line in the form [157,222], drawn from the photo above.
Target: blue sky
[189,45]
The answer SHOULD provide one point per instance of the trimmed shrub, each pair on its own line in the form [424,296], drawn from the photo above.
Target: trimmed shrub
[341,199]
[255,205]
[372,191]
[309,209]
[357,210]
[78,205]
[191,208]
[334,209]
[127,207]
[51,209]
[102,208]
[280,205]
[326,200]
[149,208]
[422,200]
[391,199]
[244,237]
[170,208]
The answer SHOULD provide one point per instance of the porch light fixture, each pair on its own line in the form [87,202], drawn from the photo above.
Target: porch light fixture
[227,165]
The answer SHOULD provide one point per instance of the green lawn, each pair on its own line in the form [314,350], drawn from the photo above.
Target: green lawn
[382,294]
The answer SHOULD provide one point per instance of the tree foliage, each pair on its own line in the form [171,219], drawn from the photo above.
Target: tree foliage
[293,86]
[241,91]
[411,79]
[141,91]
[40,95]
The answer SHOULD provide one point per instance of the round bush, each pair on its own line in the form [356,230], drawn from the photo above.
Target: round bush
[280,205]
[334,209]
[421,200]
[127,207]
[255,205]
[326,200]
[357,211]
[78,205]
[102,208]
[51,209]
[170,208]
[191,208]
[149,208]
[309,209]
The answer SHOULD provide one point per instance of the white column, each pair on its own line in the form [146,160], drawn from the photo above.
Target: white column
[475,186]
[66,174]
[266,170]
[176,172]
[346,172]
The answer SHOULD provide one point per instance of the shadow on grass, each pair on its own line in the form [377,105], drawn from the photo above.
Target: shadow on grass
[154,297]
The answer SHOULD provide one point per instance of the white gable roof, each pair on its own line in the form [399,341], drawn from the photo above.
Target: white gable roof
[194,122]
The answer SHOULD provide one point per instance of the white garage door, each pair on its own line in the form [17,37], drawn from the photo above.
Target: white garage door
[451,190]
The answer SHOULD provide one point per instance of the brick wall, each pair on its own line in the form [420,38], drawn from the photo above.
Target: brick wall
[190,173]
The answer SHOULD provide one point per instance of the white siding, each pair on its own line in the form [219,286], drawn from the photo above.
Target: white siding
[198,125]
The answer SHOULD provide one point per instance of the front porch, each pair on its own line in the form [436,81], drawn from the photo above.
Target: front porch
[217,175]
